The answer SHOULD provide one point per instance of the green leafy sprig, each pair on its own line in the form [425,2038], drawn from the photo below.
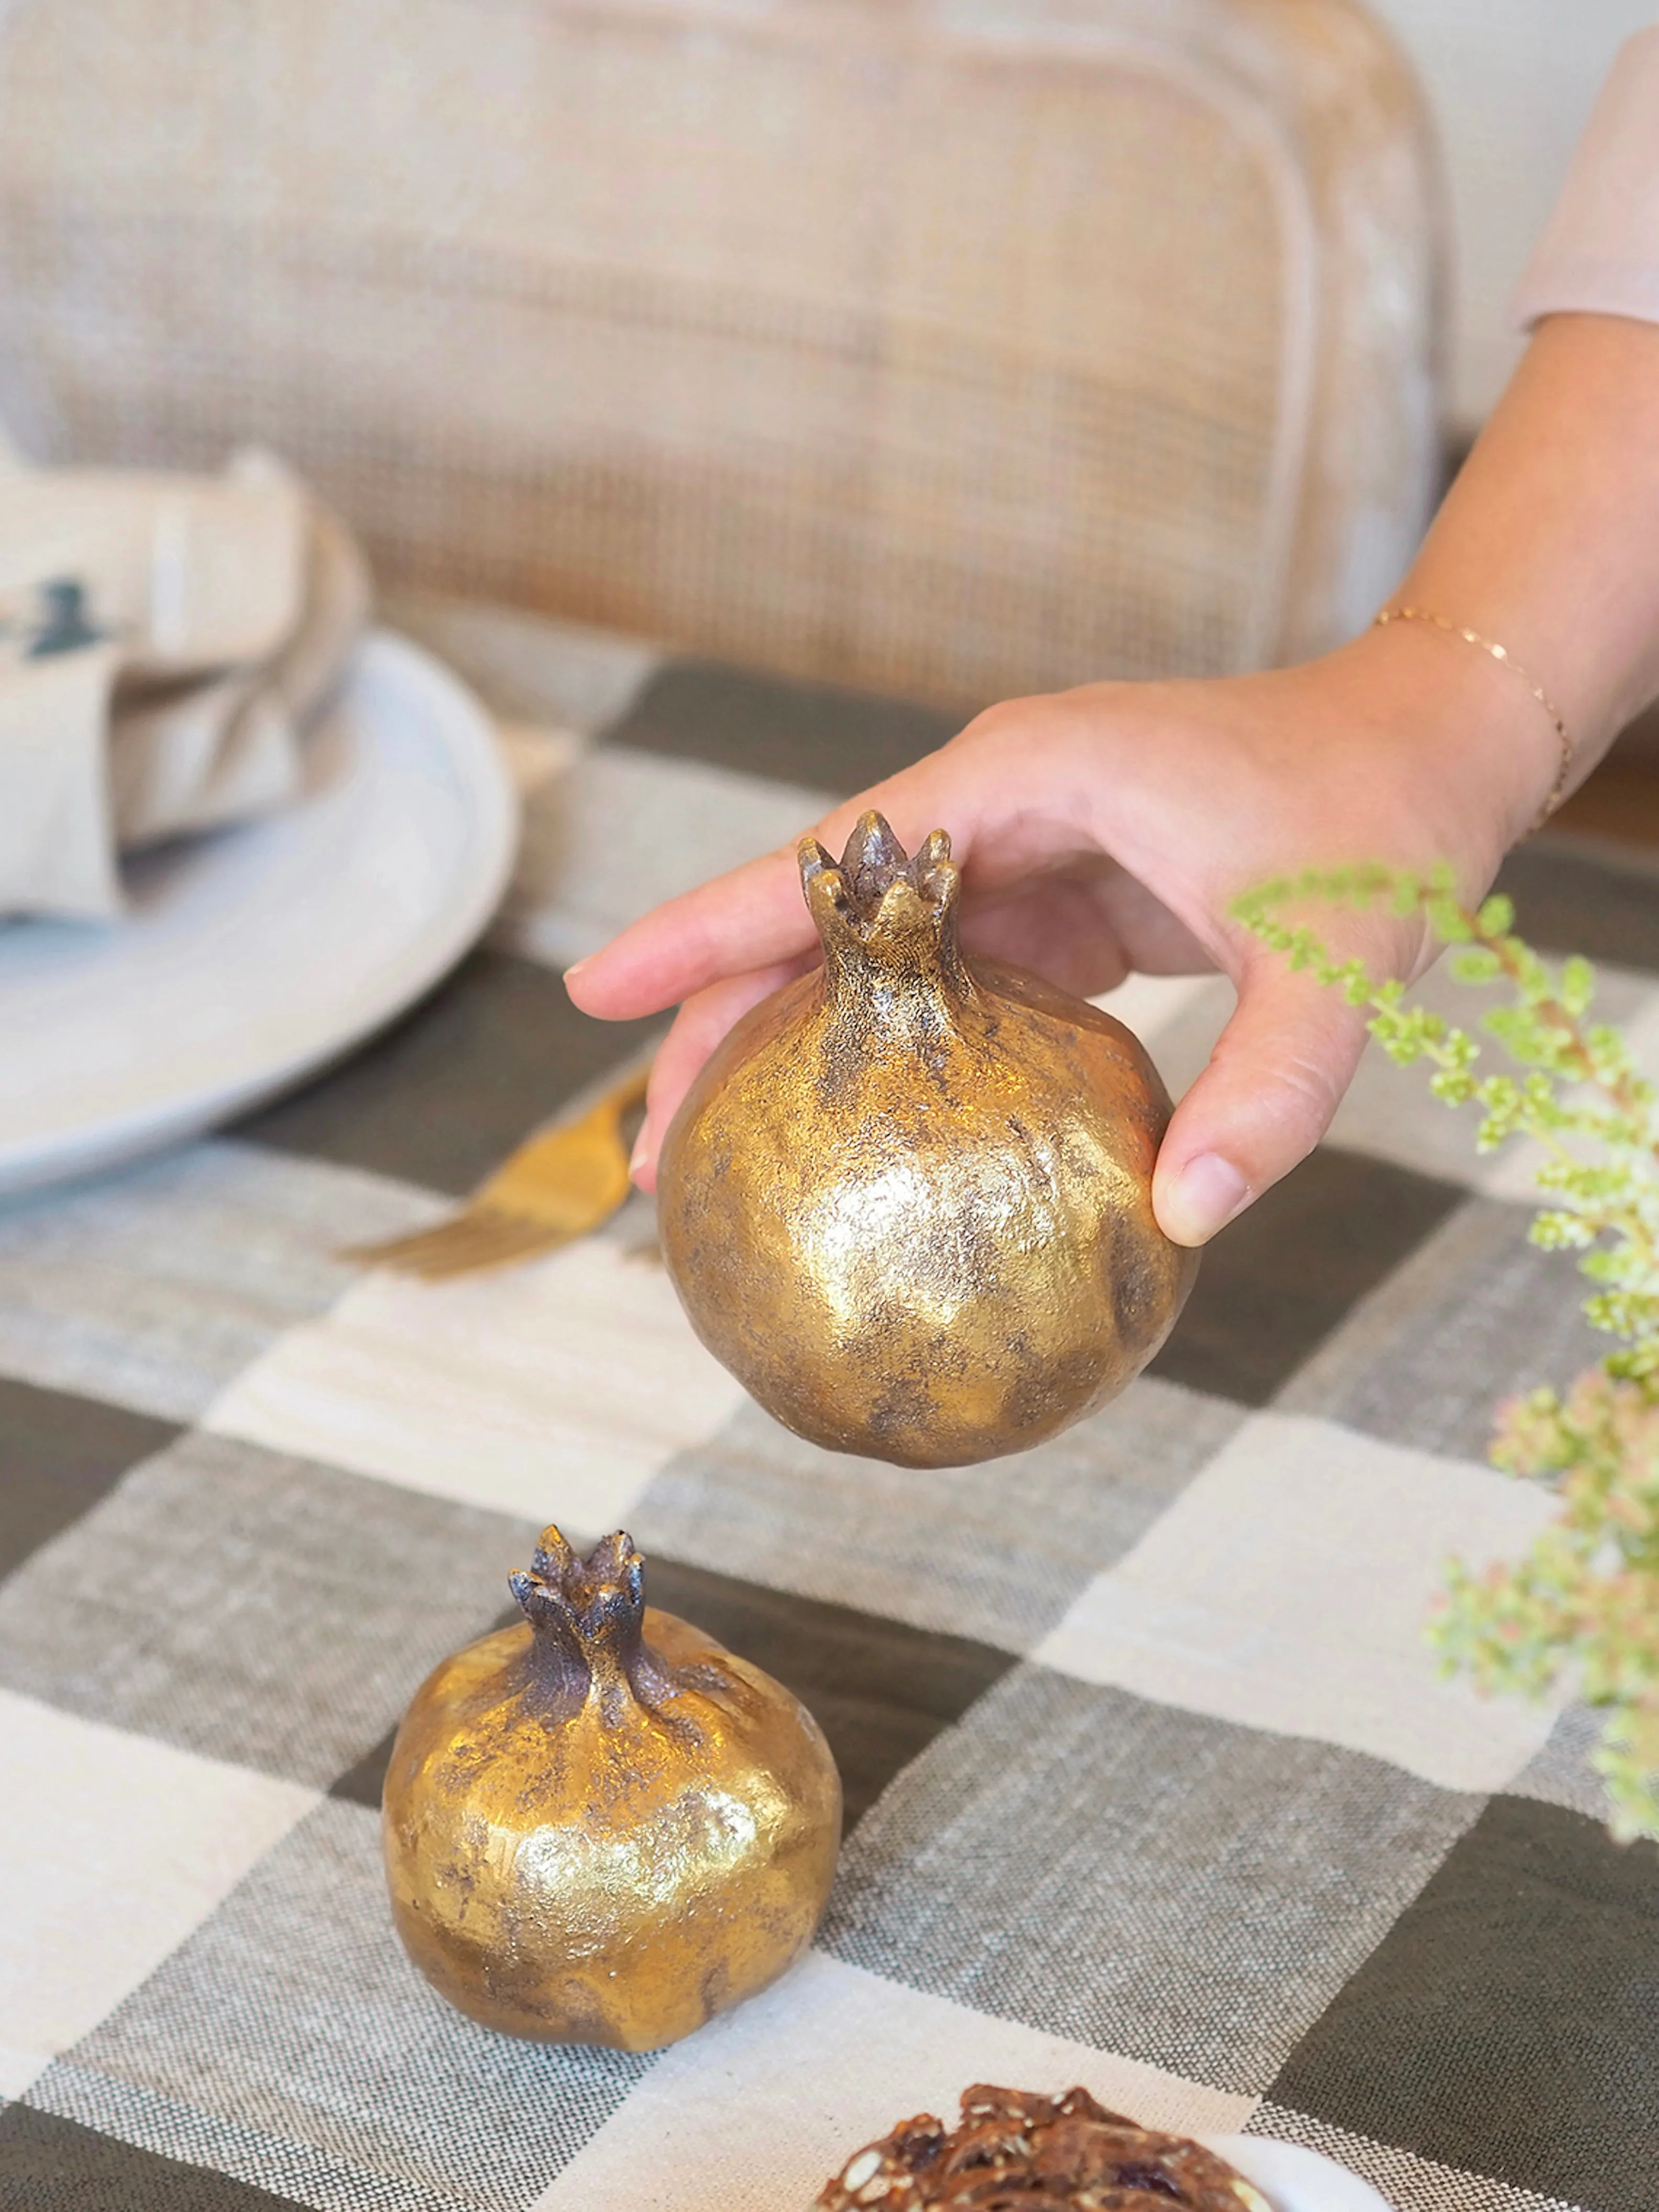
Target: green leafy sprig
[1581,1607]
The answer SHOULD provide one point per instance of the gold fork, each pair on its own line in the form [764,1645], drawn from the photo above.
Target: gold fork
[561,1183]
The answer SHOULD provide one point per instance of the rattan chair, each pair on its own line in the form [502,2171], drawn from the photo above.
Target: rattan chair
[957,349]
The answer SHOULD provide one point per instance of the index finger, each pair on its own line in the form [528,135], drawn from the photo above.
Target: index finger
[751,918]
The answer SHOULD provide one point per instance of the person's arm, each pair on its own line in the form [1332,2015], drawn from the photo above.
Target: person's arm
[1109,827]
[1549,541]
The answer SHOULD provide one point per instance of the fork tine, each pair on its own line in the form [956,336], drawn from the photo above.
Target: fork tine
[481,1236]
[466,1241]
[555,1187]
[461,1231]
[509,1240]
[398,1251]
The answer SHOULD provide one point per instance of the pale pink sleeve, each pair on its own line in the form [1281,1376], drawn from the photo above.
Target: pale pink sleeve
[1600,251]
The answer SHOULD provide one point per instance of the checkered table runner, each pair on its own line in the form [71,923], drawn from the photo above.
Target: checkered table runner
[1151,1785]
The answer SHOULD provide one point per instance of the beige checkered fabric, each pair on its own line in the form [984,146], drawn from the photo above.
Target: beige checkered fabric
[1152,1782]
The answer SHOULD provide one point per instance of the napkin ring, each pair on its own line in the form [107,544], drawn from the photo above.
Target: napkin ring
[1557,790]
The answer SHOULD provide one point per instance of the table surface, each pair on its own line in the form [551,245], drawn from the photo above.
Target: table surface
[1152,1783]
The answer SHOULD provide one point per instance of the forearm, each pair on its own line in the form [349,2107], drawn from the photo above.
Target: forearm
[1548,543]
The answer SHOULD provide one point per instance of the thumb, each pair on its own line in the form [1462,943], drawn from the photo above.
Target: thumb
[1276,1077]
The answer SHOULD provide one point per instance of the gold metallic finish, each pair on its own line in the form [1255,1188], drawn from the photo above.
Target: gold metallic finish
[600,1826]
[1557,790]
[561,1183]
[907,1202]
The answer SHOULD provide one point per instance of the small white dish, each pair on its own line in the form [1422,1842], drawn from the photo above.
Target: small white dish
[1295,2179]
[253,958]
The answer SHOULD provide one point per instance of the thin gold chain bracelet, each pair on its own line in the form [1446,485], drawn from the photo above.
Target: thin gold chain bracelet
[1557,790]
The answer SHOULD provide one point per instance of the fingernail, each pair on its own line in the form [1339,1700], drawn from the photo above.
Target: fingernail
[639,1155]
[1209,1192]
[576,966]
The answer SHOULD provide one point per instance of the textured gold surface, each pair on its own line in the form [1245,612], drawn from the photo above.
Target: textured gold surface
[600,1826]
[908,1200]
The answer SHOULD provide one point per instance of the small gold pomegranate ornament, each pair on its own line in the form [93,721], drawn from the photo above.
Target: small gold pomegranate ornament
[600,1825]
[907,1202]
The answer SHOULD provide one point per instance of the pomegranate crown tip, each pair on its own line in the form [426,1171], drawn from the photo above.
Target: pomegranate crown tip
[559,1587]
[876,879]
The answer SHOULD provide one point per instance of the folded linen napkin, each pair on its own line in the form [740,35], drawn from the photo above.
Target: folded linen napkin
[163,641]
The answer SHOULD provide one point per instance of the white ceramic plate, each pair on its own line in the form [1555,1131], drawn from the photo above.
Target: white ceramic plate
[1294,2180]
[253,958]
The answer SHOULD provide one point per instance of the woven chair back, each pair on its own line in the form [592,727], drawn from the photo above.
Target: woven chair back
[957,350]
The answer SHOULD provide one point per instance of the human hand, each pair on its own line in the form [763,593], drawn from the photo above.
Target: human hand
[1107,829]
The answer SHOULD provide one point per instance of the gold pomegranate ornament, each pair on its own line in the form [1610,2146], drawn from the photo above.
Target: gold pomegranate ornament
[600,1825]
[907,1202]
